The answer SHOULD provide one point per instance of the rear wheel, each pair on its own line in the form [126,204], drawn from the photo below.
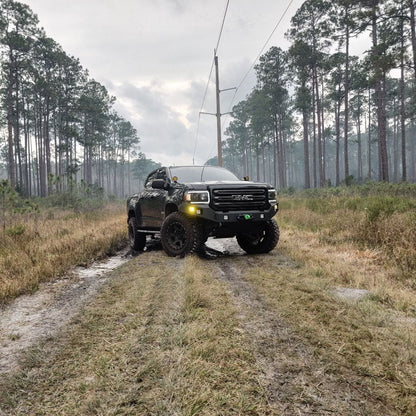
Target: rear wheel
[261,241]
[180,235]
[137,240]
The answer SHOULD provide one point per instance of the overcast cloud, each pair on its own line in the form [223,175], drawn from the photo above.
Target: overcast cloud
[154,56]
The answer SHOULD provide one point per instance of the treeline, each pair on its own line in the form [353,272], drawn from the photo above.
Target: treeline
[321,116]
[58,126]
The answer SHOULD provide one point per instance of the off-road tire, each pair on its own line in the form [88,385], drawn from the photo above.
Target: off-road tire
[137,240]
[263,241]
[180,235]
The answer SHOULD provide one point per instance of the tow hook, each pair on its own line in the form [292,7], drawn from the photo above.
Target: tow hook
[245,217]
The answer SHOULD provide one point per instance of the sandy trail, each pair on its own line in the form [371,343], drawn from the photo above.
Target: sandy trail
[32,318]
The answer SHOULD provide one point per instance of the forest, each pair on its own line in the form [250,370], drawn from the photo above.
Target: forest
[58,126]
[320,115]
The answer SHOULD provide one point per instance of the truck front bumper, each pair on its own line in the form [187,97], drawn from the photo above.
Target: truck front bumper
[204,211]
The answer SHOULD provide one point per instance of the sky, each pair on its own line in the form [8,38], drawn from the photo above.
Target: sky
[155,57]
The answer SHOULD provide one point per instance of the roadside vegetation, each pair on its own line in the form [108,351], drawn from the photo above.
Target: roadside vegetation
[41,239]
[376,216]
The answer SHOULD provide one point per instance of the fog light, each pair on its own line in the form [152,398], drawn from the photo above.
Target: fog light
[192,210]
[261,215]
[225,217]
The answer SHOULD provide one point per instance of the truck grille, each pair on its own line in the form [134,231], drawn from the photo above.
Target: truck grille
[240,199]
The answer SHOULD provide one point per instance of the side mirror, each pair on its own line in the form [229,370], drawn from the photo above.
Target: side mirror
[159,184]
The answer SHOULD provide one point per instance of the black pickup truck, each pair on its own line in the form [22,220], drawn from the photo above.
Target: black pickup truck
[188,204]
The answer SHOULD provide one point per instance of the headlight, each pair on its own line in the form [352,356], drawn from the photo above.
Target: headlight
[272,195]
[201,197]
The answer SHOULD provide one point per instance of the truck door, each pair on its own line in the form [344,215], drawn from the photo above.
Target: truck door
[153,200]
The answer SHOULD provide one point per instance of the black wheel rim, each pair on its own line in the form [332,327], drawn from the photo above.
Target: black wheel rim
[176,236]
[256,239]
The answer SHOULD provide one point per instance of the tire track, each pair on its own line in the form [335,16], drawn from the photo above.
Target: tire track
[297,381]
[32,318]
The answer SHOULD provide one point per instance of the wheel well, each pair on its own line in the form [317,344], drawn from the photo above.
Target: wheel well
[170,208]
[130,215]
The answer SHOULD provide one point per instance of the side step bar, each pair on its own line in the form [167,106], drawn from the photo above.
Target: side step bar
[148,231]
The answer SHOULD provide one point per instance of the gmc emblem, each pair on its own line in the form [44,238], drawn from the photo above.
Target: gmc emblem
[242,197]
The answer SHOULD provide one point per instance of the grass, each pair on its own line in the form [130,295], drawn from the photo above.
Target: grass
[162,339]
[47,244]
[245,335]
[172,337]
[168,336]
[379,217]
[370,344]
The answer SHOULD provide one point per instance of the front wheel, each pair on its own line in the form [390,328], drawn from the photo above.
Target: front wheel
[137,240]
[261,241]
[180,235]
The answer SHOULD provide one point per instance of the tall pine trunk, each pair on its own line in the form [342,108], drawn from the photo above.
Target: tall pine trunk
[369,175]
[318,116]
[380,88]
[315,177]
[346,93]
[305,122]
[359,142]
[337,140]
[11,165]
[402,101]
[395,143]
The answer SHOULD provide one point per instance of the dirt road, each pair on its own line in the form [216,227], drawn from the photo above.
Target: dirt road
[32,318]
[224,334]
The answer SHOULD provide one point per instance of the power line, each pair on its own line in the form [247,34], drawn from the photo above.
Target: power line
[259,54]
[199,114]
[222,26]
[209,79]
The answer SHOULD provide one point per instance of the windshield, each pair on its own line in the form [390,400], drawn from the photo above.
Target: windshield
[189,174]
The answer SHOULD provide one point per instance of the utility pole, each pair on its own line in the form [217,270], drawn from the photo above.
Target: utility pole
[217,96]
[218,113]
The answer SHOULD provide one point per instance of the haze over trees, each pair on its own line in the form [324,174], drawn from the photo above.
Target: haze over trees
[321,116]
[58,126]
[318,115]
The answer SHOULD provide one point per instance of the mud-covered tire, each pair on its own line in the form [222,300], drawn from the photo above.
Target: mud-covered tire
[180,235]
[263,241]
[137,240]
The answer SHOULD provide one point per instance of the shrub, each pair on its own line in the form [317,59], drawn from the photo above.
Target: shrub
[15,230]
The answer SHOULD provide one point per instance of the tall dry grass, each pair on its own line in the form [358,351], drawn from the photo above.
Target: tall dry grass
[45,245]
[386,222]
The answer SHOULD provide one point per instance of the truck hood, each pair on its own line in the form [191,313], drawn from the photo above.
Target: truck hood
[226,184]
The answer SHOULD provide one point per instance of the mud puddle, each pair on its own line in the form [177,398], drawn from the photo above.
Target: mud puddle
[31,318]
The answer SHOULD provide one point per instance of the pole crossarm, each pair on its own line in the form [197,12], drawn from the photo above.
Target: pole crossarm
[229,89]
